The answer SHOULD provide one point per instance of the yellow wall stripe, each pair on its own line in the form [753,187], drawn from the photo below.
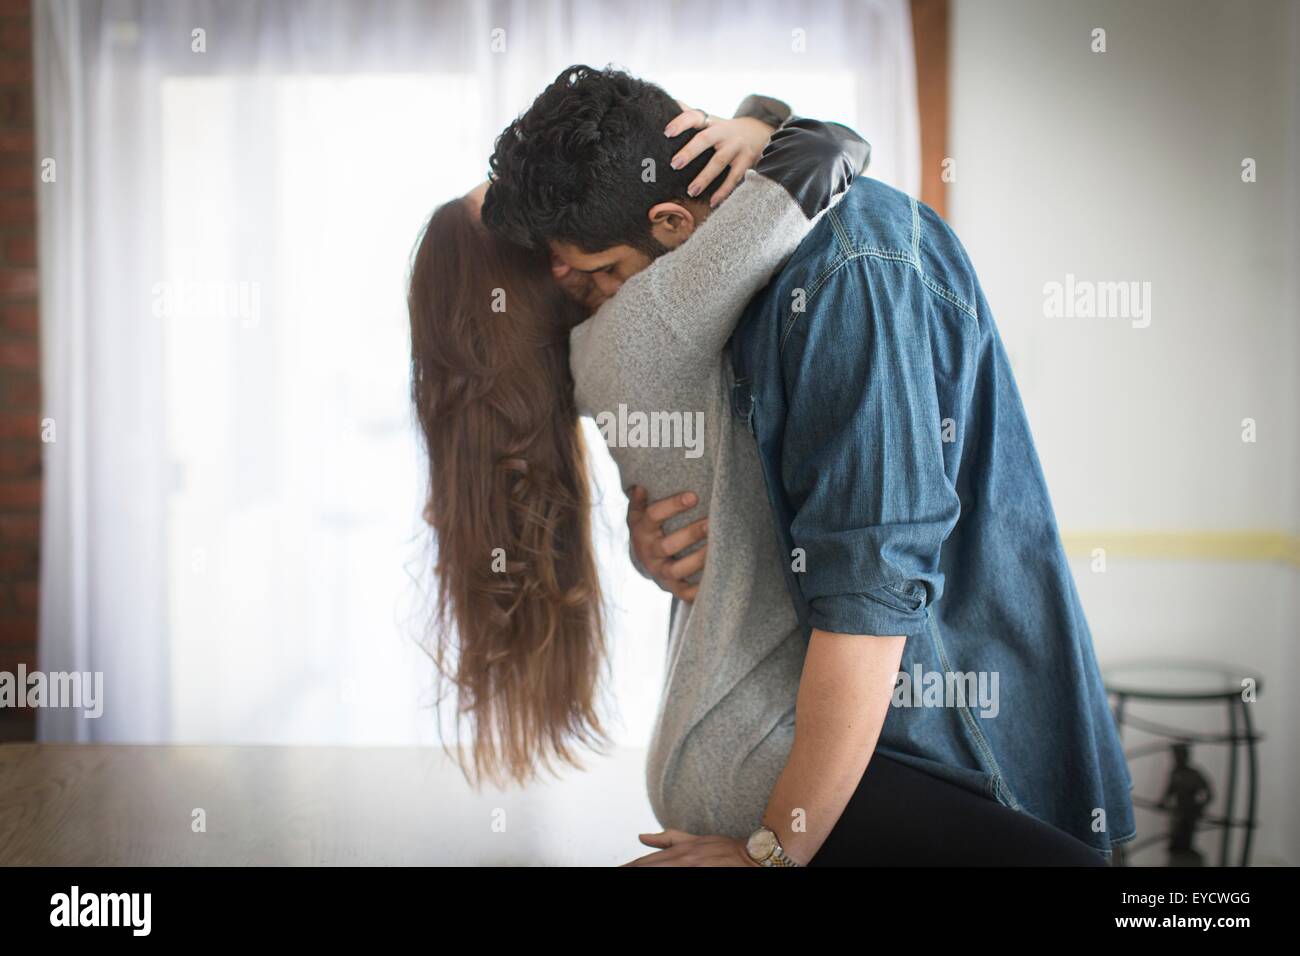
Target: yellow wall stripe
[1258,546]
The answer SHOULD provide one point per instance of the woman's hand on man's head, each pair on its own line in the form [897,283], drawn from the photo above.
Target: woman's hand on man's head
[736,143]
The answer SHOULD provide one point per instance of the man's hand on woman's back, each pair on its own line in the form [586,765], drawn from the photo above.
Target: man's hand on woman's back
[656,553]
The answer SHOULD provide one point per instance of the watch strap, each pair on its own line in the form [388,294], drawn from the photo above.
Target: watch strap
[778,856]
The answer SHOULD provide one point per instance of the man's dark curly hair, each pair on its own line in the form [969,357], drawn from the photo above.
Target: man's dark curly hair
[574,166]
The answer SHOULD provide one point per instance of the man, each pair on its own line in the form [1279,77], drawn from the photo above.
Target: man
[918,535]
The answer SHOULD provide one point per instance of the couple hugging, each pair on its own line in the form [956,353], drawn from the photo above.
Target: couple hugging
[868,500]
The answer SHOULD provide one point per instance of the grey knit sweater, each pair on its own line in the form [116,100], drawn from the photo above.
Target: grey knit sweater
[650,367]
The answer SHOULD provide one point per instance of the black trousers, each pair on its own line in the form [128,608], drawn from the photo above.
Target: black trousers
[900,816]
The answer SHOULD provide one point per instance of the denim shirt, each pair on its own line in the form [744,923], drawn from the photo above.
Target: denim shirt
[909,500]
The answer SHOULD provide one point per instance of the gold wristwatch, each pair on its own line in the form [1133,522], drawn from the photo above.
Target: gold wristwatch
[764,849]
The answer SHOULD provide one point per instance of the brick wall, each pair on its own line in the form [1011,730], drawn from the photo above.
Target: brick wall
[20,386]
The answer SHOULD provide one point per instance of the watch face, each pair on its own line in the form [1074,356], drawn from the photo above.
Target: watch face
[761,844]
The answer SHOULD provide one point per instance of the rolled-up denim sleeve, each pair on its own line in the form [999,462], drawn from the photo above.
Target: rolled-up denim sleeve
[863,458]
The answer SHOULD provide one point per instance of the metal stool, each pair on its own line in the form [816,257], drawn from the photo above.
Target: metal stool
[1190,682]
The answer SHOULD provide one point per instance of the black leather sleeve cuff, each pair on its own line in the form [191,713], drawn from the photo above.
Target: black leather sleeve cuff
[767,109]
[814,161]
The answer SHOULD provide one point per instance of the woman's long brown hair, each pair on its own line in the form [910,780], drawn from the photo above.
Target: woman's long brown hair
[518,624]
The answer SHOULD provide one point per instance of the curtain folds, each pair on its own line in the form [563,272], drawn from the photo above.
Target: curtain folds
[231,530]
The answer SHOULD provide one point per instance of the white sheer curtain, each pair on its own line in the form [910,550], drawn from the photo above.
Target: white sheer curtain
[231,511]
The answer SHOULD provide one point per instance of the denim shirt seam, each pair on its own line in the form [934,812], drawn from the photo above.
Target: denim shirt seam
[845,242]
[935,287]
[981,742]
[849,253]
[843,256]
[793,317]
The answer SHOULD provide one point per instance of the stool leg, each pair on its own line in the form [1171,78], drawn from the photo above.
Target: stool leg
[1230,805]
[1252,764]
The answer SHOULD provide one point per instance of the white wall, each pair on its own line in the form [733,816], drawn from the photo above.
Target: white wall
[1126,165]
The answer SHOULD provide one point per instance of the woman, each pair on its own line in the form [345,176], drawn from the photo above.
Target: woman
[494,393]
[494,343]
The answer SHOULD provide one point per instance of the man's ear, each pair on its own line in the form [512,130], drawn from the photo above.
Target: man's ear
[671,223]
